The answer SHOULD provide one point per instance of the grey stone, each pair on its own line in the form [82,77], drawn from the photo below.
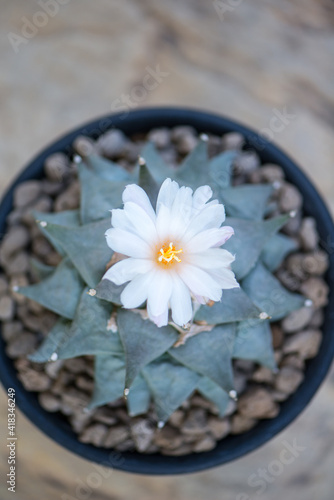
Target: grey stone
[256,402]
[316,263]
[43,204]
[263,375]
[305,343]
[317,290]
[289,198]
[292,227]
[49,401]
[184,449]
[288,379]
[293,360]
[241,423]
[68,199]
[22,345]
[26,193]
[168,437]
[35,381]
[160,137]
[176,418]
[3,285]
[19,264]
[142,432]
[232,140]
[246,162]
[7,308]
[53,368]
[11,329]
[117,435]
[84,146]
[308,235]
[56,167]
[105,416]
[205,444]
[85,383]
[272,173]
[196,422]
[297,320]
[219,427]
[112,144]
[94,434]
[15,240]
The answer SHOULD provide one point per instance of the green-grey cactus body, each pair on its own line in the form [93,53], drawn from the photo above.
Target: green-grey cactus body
[150,363]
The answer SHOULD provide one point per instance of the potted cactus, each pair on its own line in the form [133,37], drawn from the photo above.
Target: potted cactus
[165,297]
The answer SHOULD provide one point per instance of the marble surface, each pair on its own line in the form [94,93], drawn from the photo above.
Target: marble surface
[247,62]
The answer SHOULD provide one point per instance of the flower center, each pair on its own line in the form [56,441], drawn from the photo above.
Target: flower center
[168,254]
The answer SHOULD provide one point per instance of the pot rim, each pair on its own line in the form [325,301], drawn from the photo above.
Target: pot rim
[233,446]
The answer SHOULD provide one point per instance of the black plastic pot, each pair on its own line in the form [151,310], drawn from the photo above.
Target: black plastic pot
[232,447]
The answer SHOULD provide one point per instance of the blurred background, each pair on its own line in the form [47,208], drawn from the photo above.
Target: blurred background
[67,61]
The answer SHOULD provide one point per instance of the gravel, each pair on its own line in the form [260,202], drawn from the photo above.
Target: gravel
[67,385]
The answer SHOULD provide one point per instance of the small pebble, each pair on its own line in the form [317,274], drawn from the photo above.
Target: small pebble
[10,329]
[288,379]
[246,162]
[15,240]
[117,435]
[256,403]
[297,320]
[293,360]
[7,308]
[160,137]
[305,343]
[56,167]
[196,422]
[308,235]
[241,423]
[233,141]
[219,427]
[84,146]
[43,204]
[49,402]
[26,192]
[68,199]
[272,173]
[3,285]
[19,264]
[142,432]
[317,319]
[317,290]
[22,345]
[168,437]
[94,434]
[112,144]
[35,381]
[205,444]
[263,375]
[289,198]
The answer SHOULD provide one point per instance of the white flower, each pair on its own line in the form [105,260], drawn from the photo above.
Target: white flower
[174,253]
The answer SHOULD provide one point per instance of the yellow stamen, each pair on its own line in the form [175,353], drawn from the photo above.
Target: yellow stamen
[168,254]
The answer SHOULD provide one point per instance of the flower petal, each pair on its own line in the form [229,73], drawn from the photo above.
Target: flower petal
[181,212]
[180,302]
[142,223]
[159,292]
[201,196]
[224,277]
[134,193]
[200,282]
[209,217]
[208,238]
[161,319]
[135,293]
[127,270]
[167,194]
[212,258]
[127,243]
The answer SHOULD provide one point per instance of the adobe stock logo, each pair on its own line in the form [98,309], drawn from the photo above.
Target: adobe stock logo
[267,475]
[30,27]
